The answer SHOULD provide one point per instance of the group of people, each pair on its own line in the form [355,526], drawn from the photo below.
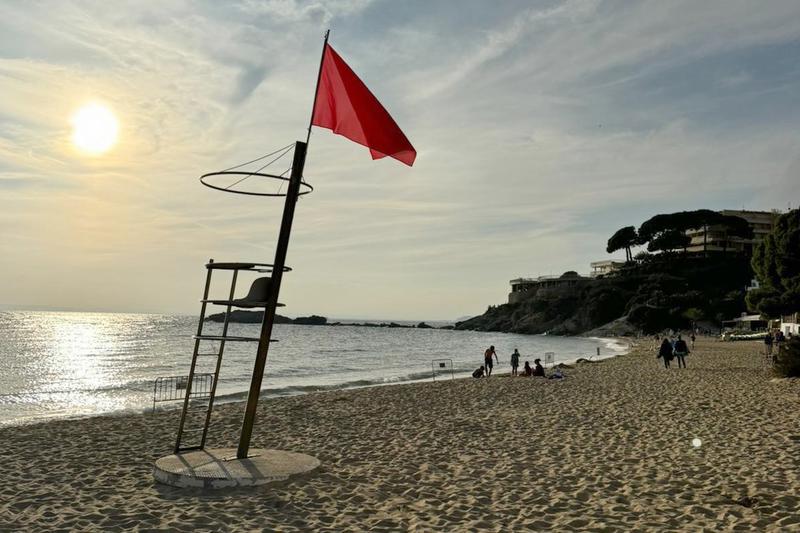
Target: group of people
[490,356]
[778,340]
[674,349]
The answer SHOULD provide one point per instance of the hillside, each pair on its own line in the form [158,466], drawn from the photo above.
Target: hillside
[655,292]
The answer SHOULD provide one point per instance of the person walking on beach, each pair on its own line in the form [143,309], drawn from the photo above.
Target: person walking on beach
[514,362]
[780,340]
[665,352]
[768,344]
[681,351]
[693,339]
[487,360]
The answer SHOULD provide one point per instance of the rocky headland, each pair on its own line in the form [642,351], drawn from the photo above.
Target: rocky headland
[648,295]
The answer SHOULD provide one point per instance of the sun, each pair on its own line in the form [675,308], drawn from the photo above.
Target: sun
[94,128]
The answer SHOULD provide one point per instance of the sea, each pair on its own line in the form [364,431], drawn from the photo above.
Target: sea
[73,364]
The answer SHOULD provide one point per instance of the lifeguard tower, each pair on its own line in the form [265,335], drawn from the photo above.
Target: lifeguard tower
[192,464]
[345,105]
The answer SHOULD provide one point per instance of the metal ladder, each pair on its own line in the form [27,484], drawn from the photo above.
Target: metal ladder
[197,407]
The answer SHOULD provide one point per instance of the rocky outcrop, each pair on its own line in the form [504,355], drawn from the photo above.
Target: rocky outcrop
[667,291]
[256,317]
[313,320]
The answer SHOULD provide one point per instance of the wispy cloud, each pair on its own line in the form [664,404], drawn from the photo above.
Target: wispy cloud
[541,129]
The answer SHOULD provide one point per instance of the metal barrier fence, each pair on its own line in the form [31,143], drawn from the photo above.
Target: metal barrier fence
[173,388]
[441,366]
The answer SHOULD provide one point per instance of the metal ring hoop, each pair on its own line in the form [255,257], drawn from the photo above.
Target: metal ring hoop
[204,181]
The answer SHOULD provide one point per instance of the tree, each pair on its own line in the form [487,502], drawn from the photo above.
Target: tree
[668,240]
[735,227]
[683,221]
[651,227]
[623,238]
[666,231]
[776,263]
[703,218]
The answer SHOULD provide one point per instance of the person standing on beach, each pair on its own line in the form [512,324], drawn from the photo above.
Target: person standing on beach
[514,362]
[681,351]
[487,360]
[665,352]
[768,344]
[780,339]
[693,339]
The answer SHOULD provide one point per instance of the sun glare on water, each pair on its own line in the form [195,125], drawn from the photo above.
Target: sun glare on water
[94,129]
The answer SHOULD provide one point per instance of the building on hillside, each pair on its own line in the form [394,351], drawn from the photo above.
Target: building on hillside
[715,238]
[523,287]
[746,323]
[790,325]
[601,268]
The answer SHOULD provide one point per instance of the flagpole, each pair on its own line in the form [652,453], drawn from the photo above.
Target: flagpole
[316,87]
[292,194]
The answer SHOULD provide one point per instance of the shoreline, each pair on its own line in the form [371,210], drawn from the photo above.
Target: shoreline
[607,449]
[623,344]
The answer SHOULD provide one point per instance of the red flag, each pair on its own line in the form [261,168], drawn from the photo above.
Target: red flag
[346,106]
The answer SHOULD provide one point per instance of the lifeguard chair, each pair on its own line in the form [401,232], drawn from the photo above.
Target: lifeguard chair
[192,464]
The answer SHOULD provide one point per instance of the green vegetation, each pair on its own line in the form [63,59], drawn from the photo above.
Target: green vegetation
[664,229]
[653,291]
[788,360]
[776,263]
[624,238]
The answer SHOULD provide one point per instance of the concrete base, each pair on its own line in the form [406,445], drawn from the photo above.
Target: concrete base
[219,468]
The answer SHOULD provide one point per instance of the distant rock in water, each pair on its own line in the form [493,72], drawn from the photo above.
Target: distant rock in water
[313,320]
[256,317]
[423,325]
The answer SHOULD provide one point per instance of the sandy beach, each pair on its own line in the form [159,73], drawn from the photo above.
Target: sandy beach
[607,449]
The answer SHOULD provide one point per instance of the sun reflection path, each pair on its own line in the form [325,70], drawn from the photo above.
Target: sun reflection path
[78,360]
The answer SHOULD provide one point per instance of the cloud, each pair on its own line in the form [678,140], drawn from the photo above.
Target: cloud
[540,128]
[248,81]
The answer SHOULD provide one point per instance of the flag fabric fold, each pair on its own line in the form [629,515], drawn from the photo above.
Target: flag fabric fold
[346,106]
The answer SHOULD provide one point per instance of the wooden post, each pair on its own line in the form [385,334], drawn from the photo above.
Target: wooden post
[292,193]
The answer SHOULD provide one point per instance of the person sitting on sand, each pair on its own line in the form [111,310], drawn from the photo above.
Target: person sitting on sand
[538,369]
[527,371]
[514,362]
[665,352]
[487,360]
[681,351]
[478,372]
[557,374]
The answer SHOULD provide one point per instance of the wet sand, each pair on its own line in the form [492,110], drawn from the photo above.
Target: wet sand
[607,449]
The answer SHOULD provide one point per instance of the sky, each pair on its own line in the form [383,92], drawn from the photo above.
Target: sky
[541,128]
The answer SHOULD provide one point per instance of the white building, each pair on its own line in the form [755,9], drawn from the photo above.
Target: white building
[789,324]
[601,268]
